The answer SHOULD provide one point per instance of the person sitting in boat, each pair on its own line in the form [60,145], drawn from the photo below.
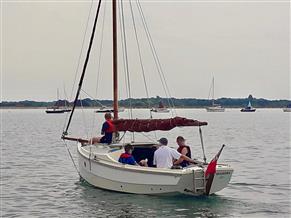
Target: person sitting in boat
[127,158]
[107,130]
[166,157]
[183,149]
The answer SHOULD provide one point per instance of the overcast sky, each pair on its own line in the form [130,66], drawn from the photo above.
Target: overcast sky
[244,45]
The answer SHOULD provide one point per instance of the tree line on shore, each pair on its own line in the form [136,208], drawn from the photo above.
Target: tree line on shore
[154,101]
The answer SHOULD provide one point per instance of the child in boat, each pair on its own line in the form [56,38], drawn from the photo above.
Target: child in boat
[107,131]
[127,158]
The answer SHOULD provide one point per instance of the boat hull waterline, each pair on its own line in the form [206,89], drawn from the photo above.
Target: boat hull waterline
[287,109]
[57,111]
[160,110]
[248,110]
[109,110]
[103,171]
[215,109]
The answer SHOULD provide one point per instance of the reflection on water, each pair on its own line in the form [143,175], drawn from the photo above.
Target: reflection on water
[130,205]
[38,178]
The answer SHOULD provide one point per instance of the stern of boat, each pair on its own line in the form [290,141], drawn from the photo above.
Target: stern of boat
[221,178]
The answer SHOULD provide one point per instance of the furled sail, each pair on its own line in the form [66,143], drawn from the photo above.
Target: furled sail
[147,125]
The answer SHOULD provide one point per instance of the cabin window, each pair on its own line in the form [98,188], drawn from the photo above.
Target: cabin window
[141,153]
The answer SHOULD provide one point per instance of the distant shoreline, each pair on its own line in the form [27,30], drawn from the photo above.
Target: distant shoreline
[151,102]
[96,108]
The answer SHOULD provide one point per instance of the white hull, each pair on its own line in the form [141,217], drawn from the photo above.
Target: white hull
[160,110]
[102,170]
[287,109]
[215,109]
[109,110]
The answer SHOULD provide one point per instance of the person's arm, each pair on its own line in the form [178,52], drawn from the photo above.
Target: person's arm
[184,157]
[104,127]
[133,162]
[177,156]
[184,151]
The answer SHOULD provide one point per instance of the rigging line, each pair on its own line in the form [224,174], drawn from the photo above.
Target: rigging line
[209,93]
[156,57]
[84,68]
[123,55]
[66,96]
[139,54]
[125,52]
[213,91]
[84,119]
[82,47]
[72,158]
[152,140]
[125,61]
[153,53]
[100,50]
[99,65]
[92,97]
[79,59]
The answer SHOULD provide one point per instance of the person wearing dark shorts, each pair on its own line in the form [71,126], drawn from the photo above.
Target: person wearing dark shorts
[107,131]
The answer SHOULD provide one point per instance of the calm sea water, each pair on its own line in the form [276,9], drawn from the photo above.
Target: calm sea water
[38,178]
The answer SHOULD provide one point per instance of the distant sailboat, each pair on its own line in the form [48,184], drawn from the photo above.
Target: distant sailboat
[287,108]
[214,107]
[56,109]
[160,109]
[104,109]
[248,108]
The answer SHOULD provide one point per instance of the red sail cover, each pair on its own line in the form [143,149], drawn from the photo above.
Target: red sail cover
[147,125]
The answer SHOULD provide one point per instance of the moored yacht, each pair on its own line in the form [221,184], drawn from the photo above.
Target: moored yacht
[98,163]
[287,108]
[248,108]
[214,107]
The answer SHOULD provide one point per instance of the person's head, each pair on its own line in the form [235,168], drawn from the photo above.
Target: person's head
[180,140]
[163,141]
[108,116]
[128,148]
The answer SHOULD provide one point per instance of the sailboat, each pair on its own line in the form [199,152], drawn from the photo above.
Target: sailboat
[104,109]
[287,108]
[56,109]
[248,108]
[160,109]
[214,107]
[98,163]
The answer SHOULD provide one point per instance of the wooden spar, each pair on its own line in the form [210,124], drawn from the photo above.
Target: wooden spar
[115,87]
[75,139]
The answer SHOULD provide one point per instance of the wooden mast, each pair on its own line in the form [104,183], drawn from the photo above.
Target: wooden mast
[115,87]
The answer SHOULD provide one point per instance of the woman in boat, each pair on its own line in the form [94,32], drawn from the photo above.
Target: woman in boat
[107,131]
[183,149]
[127,158]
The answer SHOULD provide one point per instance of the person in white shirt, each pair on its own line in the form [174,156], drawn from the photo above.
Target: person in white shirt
[165,156]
